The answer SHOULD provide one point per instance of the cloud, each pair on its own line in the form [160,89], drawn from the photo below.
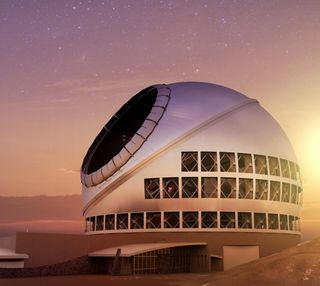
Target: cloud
[69,171]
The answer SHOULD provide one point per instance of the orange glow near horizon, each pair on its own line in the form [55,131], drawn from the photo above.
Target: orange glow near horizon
[67,66]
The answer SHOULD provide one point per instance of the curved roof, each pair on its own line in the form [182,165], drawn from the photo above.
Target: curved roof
[193,105]
[129,250]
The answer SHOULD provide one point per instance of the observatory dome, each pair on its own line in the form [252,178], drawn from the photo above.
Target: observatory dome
[191,156]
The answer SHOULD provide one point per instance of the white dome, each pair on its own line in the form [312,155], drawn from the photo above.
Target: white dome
[196,120]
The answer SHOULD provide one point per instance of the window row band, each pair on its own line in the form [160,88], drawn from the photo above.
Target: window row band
[263,190]
[239,162]
[193,219]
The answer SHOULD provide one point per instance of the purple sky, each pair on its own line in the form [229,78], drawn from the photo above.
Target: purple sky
[67,66]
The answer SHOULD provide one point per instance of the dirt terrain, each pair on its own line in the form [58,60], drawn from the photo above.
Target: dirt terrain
[297,266]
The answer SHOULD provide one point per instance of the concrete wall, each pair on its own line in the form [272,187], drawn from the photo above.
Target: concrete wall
[8,242]
[236,255]
[44,249]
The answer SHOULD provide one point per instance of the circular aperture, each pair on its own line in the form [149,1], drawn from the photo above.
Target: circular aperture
[119,130]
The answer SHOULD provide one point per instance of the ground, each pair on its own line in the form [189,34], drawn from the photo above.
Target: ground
[297,266]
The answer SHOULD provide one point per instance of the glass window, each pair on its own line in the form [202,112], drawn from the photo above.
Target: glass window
[297,223]
[294,194]
[274,191]
[299,196]
[190,187]
[110,222]
[227,220]
[245,163]
[89,225]
[136,220]
[283,222]
[171,220]
[284,168]
[190,219]
[209,187]
[189,161]
[228,188]
[99,225]
[260,163]
[209,162]
[261,190]
[227,162]
[274,168]
[298,173]
[170,188]
[245,188]
[93,223]
[244,220]
[285,193]
[273,222]
[209,220]
[154,220]
[122,221]
[293,173]
[152,188]
[260,221]
[292,223]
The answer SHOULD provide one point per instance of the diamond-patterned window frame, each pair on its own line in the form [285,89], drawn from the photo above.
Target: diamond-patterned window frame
[122,221]
[227,162]
[274,166]
[293,172]
[285,193]
[245,163]
[153,220]
[300,195]
[284,168]
[99,225]
[294,223]
[110,222]
[299,179]
[209,161]
[227,220]
[174,217]
[152,188]
[190,187]
[189,161]
[245,188]
[261,190]
[284,225]
[273,221]
[209,187]
[244,220]
[260,220]
[170,187]
[89,224]
[93,223]
[275,191]
[230,182]
[137,220]
[294,194]
[190,219]
[260,164]
[209,219]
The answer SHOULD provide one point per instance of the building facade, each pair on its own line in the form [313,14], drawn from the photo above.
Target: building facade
[190,172]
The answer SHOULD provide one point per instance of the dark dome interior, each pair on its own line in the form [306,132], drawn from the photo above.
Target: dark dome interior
[119,130]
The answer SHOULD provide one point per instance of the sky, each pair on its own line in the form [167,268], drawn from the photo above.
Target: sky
[67,66]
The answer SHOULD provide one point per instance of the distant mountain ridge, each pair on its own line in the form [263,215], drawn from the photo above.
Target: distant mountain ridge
[41,213]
